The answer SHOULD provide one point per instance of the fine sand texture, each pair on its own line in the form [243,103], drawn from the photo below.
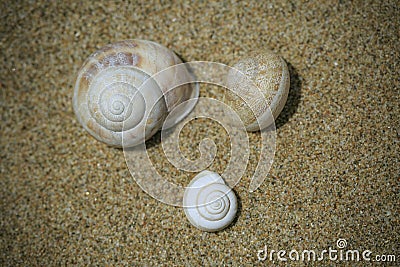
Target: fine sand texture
[68,199]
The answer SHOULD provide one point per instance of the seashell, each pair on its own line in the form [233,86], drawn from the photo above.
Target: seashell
[118,101]
[209,204]
[270,75]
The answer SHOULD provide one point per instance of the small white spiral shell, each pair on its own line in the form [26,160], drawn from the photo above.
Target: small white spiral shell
[209,204]
[114,93]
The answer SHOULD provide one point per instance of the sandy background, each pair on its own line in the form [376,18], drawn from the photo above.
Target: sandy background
[68,199]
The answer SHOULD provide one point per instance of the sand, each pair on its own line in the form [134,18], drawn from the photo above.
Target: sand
[67,199]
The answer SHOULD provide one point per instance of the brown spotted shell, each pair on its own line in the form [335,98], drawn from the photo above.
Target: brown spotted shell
[116,98]
[269,88]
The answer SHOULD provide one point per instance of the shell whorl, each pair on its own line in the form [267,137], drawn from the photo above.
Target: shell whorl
[114,91]
[209,204]
[269,73]
[113,95]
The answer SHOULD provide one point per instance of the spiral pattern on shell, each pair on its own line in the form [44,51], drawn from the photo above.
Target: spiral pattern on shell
[209,204]
[217,203]
[112,96]
[115,93]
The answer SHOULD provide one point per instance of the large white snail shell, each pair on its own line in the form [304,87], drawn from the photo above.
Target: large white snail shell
[269,73]
[116,101]
[209,204]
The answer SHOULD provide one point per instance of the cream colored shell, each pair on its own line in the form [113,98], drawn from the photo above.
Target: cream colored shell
[116,101]
[209,204]
[269,73]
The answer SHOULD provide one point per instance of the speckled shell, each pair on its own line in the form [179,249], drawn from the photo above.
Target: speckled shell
[209,204]
[270,74]
[114,94]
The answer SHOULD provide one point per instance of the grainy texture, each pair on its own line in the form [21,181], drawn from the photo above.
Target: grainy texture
[269,74]
[69,199]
